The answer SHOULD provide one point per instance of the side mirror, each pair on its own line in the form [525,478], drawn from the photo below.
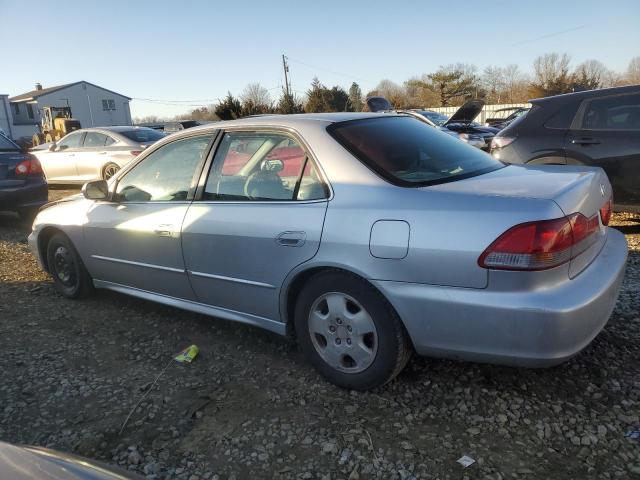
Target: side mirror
[96,190]
[52,147]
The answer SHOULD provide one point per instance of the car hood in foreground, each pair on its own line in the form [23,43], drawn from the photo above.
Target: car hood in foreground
[467,112]
[36,463]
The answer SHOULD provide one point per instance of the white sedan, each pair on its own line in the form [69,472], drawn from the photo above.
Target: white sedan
[93,153]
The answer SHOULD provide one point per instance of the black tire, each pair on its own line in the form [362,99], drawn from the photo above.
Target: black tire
[109,170]
[393,346]
[70,276]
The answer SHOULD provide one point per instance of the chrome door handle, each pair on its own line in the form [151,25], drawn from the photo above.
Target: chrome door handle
[163,230]
[585,141]
[102,153]
[291,239]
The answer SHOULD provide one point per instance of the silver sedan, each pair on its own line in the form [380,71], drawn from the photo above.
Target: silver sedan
[364,236]
[93,153]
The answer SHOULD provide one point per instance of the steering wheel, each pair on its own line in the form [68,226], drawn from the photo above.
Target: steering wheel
[252,179]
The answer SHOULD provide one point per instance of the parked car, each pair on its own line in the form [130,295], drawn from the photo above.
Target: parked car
[23,188]
[504,116]
[93,153]
[462,124]
[599,128]
[172,127]
[24,462]
[384,238]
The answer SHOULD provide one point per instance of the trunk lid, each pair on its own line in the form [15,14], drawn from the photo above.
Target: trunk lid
[574,189]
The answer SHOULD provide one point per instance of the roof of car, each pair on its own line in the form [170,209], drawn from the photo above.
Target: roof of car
[600,92]
[291,120]
[115,128]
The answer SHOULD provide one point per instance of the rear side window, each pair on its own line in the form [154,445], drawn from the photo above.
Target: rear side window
[562,118]
[620,112]
[408,152]
[94,139]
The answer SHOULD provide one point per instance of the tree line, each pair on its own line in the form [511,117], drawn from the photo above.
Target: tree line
[453,84]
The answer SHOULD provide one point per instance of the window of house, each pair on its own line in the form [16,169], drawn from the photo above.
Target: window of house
[30,111]
[166,174]
[108,104]
[262,166]
[16,108]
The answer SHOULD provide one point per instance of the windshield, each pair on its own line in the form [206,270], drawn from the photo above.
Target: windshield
[438,118]
[408,152]
[7,145]
[143,135]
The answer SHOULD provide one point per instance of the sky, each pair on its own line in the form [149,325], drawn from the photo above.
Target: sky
[172,56]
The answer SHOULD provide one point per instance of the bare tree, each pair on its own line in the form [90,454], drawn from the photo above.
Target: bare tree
[633,72]
[392,92]
[595,73]
[494,83]
[255,100]
[551,75]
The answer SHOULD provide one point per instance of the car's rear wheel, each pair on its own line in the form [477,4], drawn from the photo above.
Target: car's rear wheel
[349,331]
[109,170]
[70,276]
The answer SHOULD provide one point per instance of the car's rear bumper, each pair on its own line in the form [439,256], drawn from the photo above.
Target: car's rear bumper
[32,194]
[533,328]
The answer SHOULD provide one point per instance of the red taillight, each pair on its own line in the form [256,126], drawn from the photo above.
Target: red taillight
[29,167]
[540,245]
[135,153]
[605,212]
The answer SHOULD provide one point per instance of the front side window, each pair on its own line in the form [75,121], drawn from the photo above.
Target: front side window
[94,139]
[408,152]
[166,174]
[262,167]
[73,140]
[620,112]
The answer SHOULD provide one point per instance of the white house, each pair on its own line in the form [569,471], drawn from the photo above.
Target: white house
[92,105]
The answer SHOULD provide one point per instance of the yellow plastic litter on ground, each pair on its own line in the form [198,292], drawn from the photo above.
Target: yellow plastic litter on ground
[187,355]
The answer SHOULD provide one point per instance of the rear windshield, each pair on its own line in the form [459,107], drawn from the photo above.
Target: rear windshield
[143,135]
[408,152]
[7,145]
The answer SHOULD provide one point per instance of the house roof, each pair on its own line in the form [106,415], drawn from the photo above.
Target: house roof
[33,94]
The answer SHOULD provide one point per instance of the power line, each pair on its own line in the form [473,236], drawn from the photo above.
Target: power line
[342,74]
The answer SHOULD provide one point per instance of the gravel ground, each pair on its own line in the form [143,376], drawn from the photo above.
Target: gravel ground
[249,406]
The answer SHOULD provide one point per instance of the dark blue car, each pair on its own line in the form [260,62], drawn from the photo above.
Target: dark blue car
[23,188]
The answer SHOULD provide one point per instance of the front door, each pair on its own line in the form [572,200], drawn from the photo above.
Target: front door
[135,239]
[260,215]
[607,135]
[59,165]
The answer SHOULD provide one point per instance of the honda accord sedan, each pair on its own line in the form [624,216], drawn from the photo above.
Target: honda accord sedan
[364,236]
[93,153]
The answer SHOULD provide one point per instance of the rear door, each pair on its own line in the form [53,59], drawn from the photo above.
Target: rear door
[135,239]
[92,156]
[260,214]
[606,134]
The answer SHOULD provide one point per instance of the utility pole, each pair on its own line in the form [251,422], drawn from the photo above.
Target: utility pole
[285,66]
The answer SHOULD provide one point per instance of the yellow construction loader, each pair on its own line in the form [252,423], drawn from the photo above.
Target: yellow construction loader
[56,123]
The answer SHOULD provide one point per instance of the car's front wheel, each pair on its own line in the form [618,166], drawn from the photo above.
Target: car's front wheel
[349,332]
[109,170]
[70,276]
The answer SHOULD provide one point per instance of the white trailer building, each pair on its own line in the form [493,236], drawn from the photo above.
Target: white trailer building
[92,105]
